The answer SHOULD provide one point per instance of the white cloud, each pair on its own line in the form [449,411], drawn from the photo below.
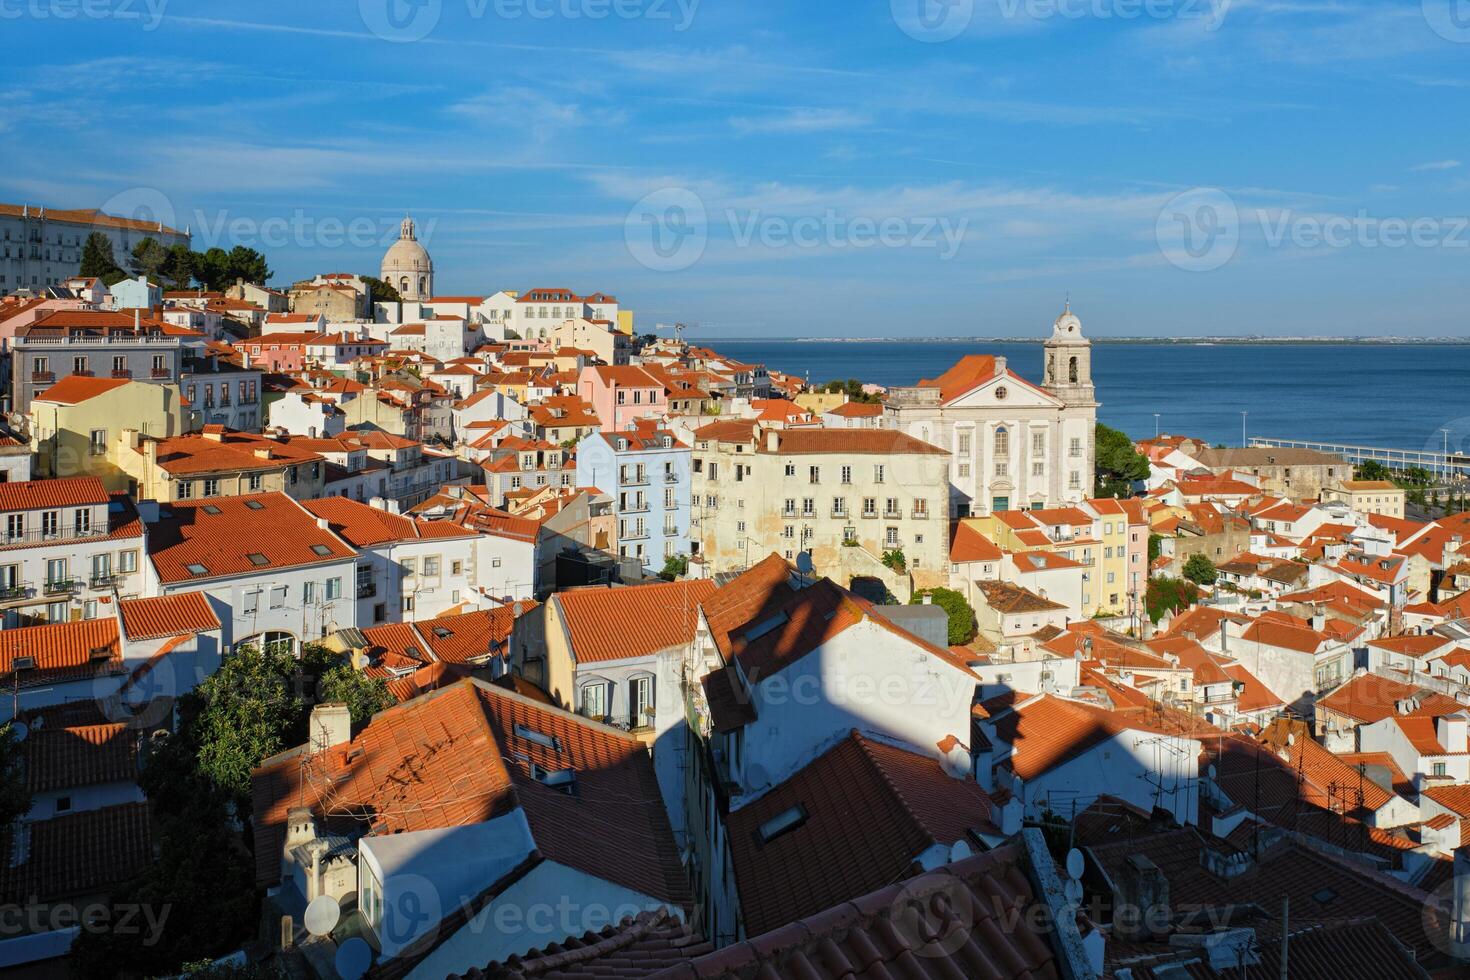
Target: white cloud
[1434,165]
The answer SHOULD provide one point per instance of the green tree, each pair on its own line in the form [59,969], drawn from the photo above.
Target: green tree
[15,796]
[1372,469]
[1119,463]
[1155,547]
[149,259]
[1165,595]
[251,708]
[962,624]
[364,696]
[380,291]
[198,894]
[247,264]
[1200,570]
[675,566]
[177,271]
[97,258]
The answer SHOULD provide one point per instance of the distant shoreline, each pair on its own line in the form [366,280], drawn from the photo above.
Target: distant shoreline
[1153,341]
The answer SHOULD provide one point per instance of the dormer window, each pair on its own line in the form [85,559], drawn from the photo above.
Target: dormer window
[781,824]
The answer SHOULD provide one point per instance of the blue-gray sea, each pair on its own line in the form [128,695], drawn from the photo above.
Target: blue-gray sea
[1398,395]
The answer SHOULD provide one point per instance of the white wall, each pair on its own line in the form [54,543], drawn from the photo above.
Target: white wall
[865,677]
[1144,768]
[305,621]
[550,904]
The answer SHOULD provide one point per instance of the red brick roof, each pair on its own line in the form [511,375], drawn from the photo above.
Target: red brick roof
[461,639]
[75,389]
[1048,731]
[907,802]
[635,947]
[271,525]
[469,765]
[637,621]
[971,545]
[172,615]
[905,930]
[62,651]
[84,853]
[225,451]
[858,441]
[86,755]
[67,491]
[362,525]
[1369,698]
[764,587]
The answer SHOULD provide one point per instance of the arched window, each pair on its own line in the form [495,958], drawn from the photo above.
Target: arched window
[1002,442]
[1072,370]
[423,285]
[1051,368]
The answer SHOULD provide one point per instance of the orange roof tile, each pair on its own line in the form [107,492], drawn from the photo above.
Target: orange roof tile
[636,621]
[829,856]
[469,764]
[192,543]
[67,491]
[171,615]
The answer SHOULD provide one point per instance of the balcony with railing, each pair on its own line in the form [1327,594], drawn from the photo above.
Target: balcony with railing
[37,536]
[18,592]
[367,590]
[162,372]
[63,586]
[43,377]
[105,580]
[123,373]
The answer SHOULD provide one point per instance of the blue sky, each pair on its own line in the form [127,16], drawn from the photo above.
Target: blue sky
[813,168]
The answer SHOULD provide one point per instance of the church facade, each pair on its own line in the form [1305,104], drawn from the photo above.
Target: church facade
[1014,445]
[407,266]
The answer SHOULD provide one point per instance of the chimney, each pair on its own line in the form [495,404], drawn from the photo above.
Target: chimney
[1460,906]
[1000,366]
[300,827]
[1143,900]
[1319,621]
[1451,731]
[324,523]
[331,725]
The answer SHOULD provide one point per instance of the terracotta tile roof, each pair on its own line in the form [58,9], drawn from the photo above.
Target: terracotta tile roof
[1048,731]
[967,374]
[1327,950]
[1285,632]
[969,544]
[85,853]
[635,621]
[858,410]
[270,525]
[1369,698]
[467,765]
[225,451]
[362,526]
[75,389]
[68,491]
[63,758]
[728,430]
[809,619]
[864,939]
[61,651]
[1318,885]
[1412,645]
[172,615]
[1253,695]
[1006,597]
[428,678]
[471,636]
[635,947]
[760,590]
[908,803]
[856,441]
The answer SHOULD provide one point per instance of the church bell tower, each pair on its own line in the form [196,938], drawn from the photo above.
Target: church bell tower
[1069,361]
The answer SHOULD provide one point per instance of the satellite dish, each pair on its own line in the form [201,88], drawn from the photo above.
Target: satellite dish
[804,563]
[1211,770]
[19,731]
[322,915]
[1075,864]
[353,958]
[959,851]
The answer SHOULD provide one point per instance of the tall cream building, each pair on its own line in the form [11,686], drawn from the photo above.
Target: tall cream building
[1014,445]
[843,496]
